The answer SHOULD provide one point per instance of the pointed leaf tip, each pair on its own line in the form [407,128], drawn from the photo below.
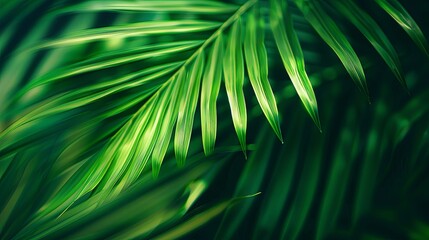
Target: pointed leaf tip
[280,137]
[209,93]
[156,168]
[190,84]
[257,66]
[292,56]
[404,19]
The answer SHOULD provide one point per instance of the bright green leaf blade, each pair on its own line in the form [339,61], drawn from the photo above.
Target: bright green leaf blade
[166,128]
[257,65]
[151,133]
[403,18]
[209,93]
[188,103]
[144,147]
[131,30]
[148,129]
[338,179]
[375,35]
[124,150]
[93,173]
[184,6]
[113,59]
[149,77]
[328,30]
[233,68]
[251,180]
[292,56]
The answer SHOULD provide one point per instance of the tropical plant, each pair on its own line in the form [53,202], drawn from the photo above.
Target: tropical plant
[91,91]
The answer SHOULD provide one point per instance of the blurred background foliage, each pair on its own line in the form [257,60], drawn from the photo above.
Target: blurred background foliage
[64,174]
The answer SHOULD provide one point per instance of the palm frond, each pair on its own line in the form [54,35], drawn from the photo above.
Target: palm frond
[107,111]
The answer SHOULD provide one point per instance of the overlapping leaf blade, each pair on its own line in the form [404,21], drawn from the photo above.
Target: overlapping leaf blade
[136,203]
[64,103]
[124,157]
[113,59]
[292,56]
[131,30]
[166,128]
[375,35]
[233,68]
[257,67]
[145,133]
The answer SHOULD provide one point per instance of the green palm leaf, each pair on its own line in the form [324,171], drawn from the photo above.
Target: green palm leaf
[187,108]
[200,7]
[257,62]
[373,33]
[233,68]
